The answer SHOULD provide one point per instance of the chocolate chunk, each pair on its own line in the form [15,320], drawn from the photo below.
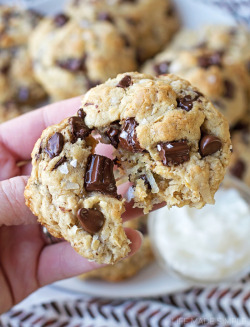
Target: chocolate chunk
[209,144]
[81,113]
[113,133]
[90,83]
[238,169]
[174,153]
[229,89]
[128,138]
[186,103]
[143,228]
[125,82]
[99,176]
[78,128]
[60,20]
[60,162]
[207,60]
[73,64]
[91,220]
[23,94]
[145,179]
[105,16]
[54,145]
[162,67]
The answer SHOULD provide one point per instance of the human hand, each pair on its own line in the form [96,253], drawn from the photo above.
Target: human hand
[27,262]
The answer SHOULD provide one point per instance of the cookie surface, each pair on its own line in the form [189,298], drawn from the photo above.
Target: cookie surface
[70,57]
[153,22]
[18,87]
[129,266]
[208,70]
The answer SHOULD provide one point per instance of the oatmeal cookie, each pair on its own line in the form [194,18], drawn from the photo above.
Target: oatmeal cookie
[70,57]
[208,70]
[130,266]
[153,22]
[170,141]
[18,86]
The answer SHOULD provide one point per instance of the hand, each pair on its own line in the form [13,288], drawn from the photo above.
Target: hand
[26,261]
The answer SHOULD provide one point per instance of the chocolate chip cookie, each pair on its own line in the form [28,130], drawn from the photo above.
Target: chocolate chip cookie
[18,88]
[70,57]
[169,140]
[130,266]
[208,70]
[153,22]
[240,162]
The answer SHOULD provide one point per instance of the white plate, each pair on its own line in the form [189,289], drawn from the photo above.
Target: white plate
[152,281]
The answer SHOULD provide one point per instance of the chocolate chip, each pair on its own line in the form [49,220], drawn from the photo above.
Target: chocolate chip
[207,60]
[145,179]
[128,138]
[90,83]
[78,128]
[113,133]
[81,113]
[99,176]
[23,94]
[104,16]
[174,153]
[162,67]
[55,145]
[125,82]
[60,162]
[209,144]
[91,220]
[229,89]
[186,103]
[143,228]
[60,20]
[238,169]
[73,64]
[37,155]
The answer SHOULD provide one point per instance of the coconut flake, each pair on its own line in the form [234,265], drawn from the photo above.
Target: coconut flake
[72,186]
[73,230]
[152,182]
[130,194]
[73,163]
[63,169]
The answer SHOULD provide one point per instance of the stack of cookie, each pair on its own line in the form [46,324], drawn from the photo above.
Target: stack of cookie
[216,59]
[19,90]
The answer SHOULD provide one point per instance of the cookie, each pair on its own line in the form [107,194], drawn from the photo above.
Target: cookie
[130,266]
[240,162]
[18,86]
[70,57]
[153,22]
[208,70]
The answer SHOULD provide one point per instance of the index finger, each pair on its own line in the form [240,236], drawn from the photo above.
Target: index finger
[19,135]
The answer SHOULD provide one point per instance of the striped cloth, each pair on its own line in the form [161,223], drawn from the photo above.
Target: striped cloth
[222,306]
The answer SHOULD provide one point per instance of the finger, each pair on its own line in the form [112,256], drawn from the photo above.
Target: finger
[60,261]
[19,135]
[132,213]
[13,210]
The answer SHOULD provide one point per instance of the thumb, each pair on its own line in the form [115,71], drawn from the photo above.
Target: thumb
[13,210]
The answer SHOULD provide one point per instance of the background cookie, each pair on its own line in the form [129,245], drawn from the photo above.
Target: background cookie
[208,70]
[17,83]
[152,21]
[71,57]
[129,266]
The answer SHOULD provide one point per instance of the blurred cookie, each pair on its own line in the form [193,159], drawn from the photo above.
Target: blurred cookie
[208,70]
[70,57]
[18,88]
[129,266]
[240,162]
[153,22]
